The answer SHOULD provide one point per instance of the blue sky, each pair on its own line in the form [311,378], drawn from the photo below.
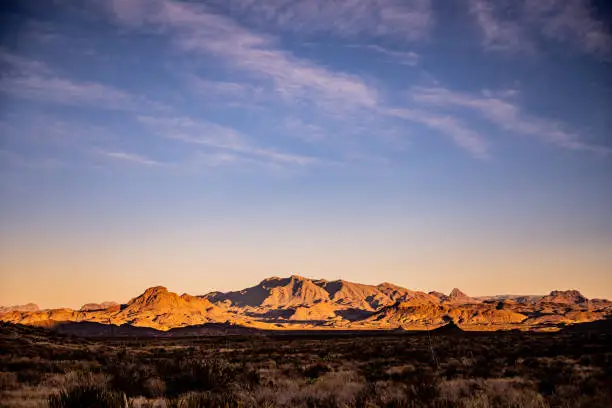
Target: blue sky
[207,144]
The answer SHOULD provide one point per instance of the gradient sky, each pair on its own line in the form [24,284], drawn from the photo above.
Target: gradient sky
[206,145]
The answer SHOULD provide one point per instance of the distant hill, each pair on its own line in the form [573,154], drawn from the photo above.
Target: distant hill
[457,296]
[571,297]
[88,307]
[30,307]
[299,303]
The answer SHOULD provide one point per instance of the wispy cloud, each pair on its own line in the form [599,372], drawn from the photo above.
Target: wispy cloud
[229,93]
[11,62]
[506,114]
[197,30]
[67,92]
[407,20]
[521,26]
[219,137]
[194,131]
[499,34]
[54,132]
[219,159]
[449,125]
[224,88]
[277,77]
[26,78]
[253,69]
[304,130]
[126,157]
[409,58]
[572,22]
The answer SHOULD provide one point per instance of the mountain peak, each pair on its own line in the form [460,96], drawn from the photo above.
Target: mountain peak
[156,290]
[389,285]
[457,296]
[457,293]
[155,294]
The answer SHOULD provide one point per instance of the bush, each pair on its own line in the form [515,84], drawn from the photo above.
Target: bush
[195,375]
[8,381]
[154,387]
[315,370]
[30,376]
[131,378]
[88,396]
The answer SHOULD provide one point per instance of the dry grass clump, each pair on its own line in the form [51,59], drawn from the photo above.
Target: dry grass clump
[88,396]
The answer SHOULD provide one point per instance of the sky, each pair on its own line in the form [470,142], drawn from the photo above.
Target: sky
[207,145]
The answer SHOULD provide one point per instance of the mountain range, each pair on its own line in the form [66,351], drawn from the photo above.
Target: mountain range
[298,303]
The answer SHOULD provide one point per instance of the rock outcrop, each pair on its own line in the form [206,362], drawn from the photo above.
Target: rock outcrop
[572,297]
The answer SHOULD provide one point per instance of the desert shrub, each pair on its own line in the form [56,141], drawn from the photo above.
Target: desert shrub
[76,378]
[400,373]
[249,378]
[365,395]
[376,395]
[316,401]
[8,381]
[30,376]
[424,391]
[88,396]
[375,370]
[452,368]
[131,378]
[186,375]
[482,367]
[154,387]
[554,375]
[315,370]
[206,400]
[26,363]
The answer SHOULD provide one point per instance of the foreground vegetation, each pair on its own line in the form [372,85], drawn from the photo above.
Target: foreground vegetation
[39,368]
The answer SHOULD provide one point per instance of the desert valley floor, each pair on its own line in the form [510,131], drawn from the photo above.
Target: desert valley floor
[441,368]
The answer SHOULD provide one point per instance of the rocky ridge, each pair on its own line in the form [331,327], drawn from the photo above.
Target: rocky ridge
[298,303]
